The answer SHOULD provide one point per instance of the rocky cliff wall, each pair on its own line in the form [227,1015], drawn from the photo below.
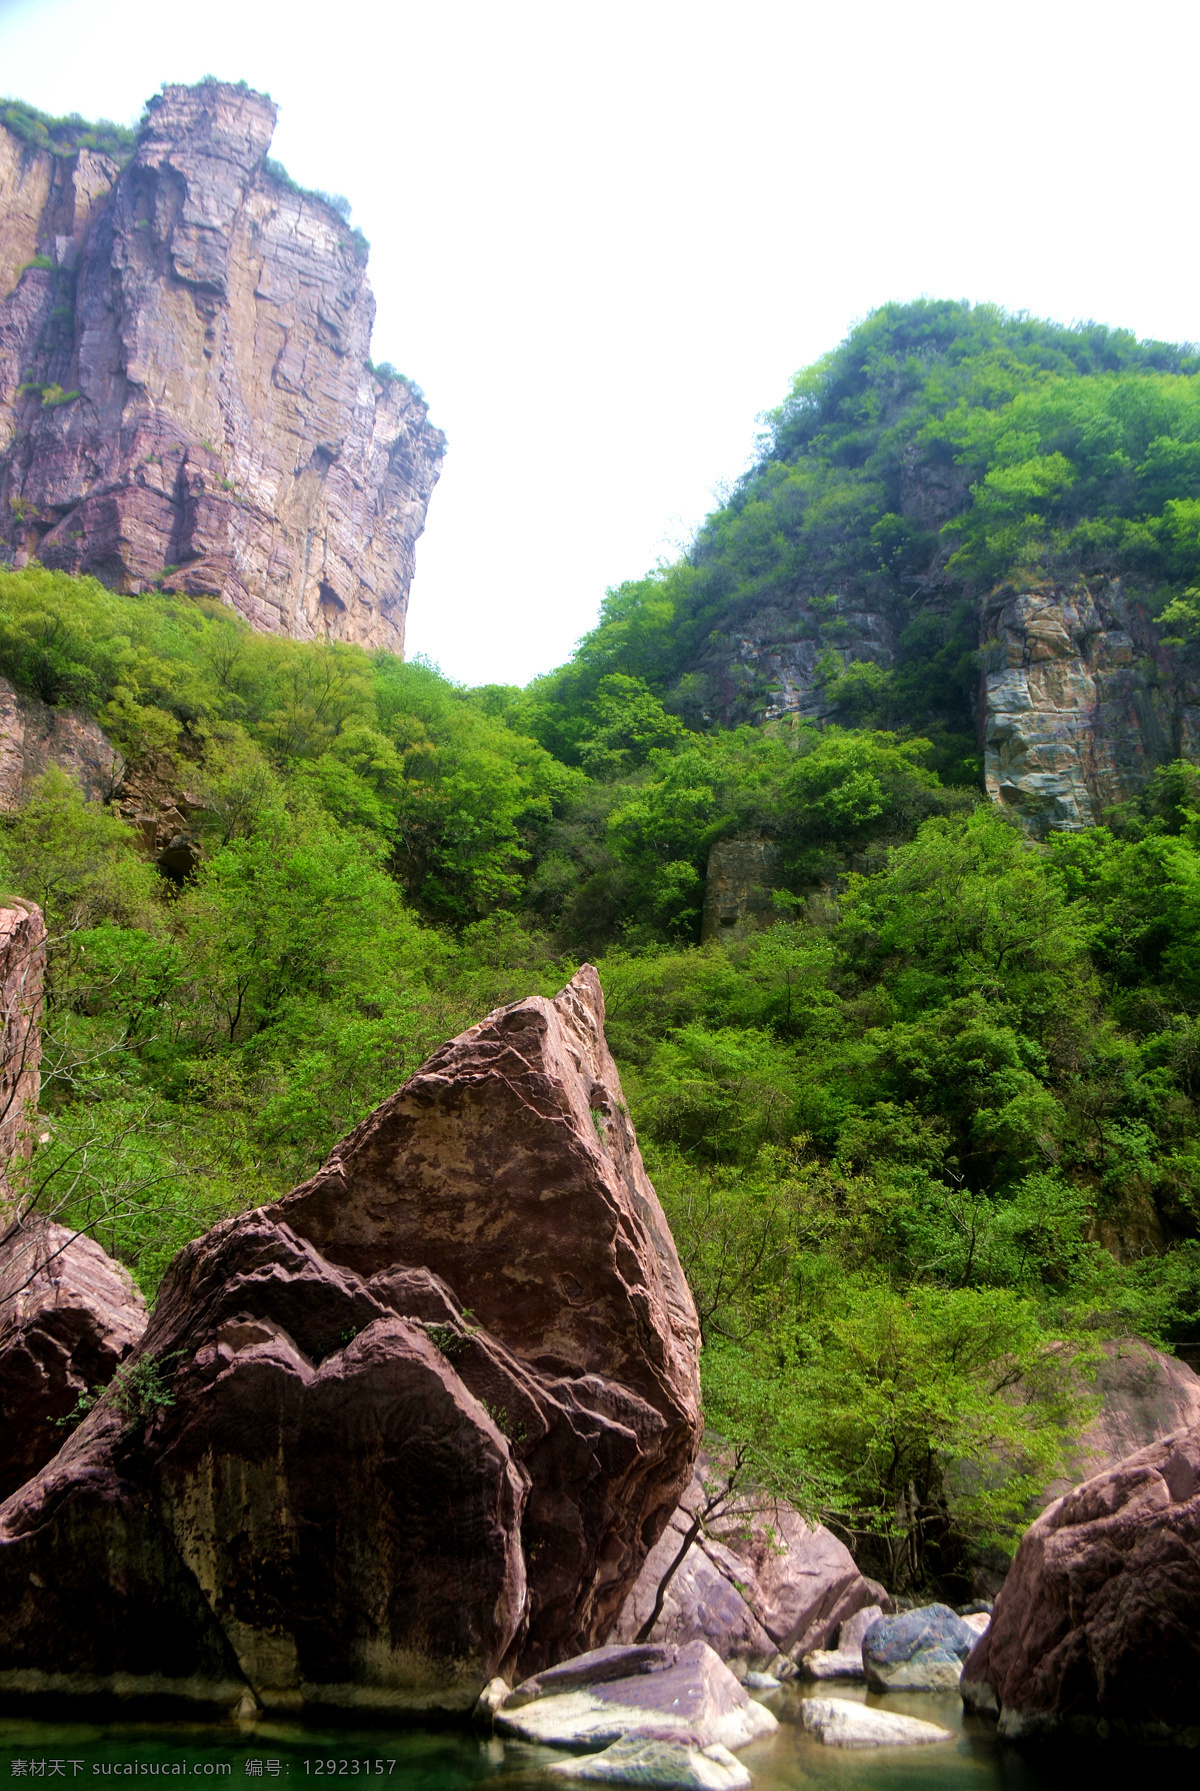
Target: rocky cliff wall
[186,398]
[22,974]
[1079,700]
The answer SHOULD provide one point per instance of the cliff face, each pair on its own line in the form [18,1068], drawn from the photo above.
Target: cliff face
[1080,701]
[185,394]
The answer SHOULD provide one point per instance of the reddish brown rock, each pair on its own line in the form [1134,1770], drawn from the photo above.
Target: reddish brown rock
[1095,1630]
[34,736]
[1144,1395]
[757,1582]
[186,392]
[22,969]
[428,1414]
[69,1316]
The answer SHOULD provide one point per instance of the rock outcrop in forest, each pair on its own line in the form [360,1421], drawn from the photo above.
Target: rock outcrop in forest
[476,1311]
[22,973]
[965,524]
[186,396]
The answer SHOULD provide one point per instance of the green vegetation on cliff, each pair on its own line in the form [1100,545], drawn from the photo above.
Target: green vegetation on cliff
[66,136]
[940,450]
[925,1141]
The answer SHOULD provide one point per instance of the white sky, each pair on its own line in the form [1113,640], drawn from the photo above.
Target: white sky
[605,236]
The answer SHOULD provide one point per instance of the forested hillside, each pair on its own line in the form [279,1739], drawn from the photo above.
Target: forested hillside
[925,1141]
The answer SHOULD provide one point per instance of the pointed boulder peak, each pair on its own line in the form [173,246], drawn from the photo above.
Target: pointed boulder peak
[508,1165]
[422,1420]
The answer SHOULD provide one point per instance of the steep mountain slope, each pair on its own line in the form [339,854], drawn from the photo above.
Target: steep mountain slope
[186,396]
[964,523]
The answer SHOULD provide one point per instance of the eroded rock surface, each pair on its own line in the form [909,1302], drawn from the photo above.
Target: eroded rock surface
[429,1412]
[1144,1395]
[612,1693]
[845,1661]
[742,871]
[921,1650]
[757,1583]
[34,736]
[662,1760]
[839,1722]
[1094,1631]
[186,398]
[1081,702]
[22,971]
[69,1316]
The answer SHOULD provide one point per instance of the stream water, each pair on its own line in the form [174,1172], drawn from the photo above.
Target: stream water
[251,1758]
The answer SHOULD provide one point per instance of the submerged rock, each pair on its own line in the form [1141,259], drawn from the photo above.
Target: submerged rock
[921,1650]
[69,1316]
[660,1760]
[1094,1631]
[428,1413]
[839,1722]
[611,1693]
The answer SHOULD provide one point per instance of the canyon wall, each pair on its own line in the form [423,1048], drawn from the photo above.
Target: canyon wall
[1079,697]
[186,396]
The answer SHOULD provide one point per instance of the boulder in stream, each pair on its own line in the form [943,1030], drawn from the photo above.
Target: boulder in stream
[414,1427]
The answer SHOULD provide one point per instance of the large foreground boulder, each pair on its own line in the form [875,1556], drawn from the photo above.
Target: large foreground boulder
[69,1316]
[756,1583]
[415,1426]
[1095,1631]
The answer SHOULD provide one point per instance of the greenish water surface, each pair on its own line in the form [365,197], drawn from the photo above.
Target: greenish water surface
[260,1755]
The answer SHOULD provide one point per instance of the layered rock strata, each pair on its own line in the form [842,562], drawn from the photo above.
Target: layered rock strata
[69,1316]
[1094,1632]
[755,1584]
[1080,703]
[429,1413]
[186,396]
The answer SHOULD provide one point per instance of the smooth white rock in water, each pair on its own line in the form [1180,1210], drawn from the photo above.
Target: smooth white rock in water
[845,1661]
[574,1719]
[829,1663]
[761,1682]
[490,1699]
[649,1760]
[840,1723]
[596,1698]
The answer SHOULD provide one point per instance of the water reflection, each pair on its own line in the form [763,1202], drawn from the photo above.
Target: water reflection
[253,1757]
